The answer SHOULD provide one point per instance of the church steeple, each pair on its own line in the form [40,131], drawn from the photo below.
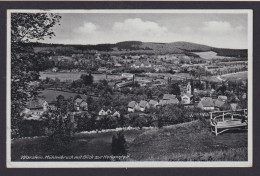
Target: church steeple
[188,88]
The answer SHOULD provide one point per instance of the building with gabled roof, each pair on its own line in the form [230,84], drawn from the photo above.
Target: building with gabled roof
[116,114]
[173,101]
[168,96]
[218,103]
[186,98]
[132,106]
[206,103]
[162,103]
[36,107]
[102,112]
[223,98]
[153,103]
[234,106]
[143,105]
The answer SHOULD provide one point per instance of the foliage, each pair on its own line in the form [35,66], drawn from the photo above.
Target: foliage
[30,128]
[25,65]
[175,89]
[87,79]
[119,146]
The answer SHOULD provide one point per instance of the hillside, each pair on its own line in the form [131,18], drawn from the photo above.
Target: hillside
[138,47]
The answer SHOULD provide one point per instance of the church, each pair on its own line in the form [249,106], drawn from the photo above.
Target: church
[186,97]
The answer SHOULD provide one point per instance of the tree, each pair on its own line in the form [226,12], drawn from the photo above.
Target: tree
[25,64]
[87,79]
[119,144]
[60,100]
[175,89]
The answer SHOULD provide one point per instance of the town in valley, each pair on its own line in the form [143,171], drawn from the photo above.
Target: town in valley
[128,100]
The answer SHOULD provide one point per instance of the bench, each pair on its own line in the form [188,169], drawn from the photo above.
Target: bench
[228,121]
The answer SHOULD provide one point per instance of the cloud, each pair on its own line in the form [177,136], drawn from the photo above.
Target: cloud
[87,28]
[187,29]
[219,27]
[138,29]
[138,25]
[213,33]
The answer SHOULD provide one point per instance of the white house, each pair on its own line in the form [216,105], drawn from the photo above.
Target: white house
[186,98]
[132,106]
[116,114]
[108,111]
[143,105]
[102,112]
[36,108]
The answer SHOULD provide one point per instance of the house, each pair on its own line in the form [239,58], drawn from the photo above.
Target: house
[234,106]
[153,103]
[127,75]
[212,91]
[80,104]
[162,102]
[168,96]
[84,106]
[102,69]
[186,98]
[136,64]
[77,102]
[244,96]
[116,114]
[102,112]
[223,98]
[173,101]
[124,84]
[132,106]
[206,103]
[218,103]
[146,64]
[118,65]
[108,112]
[36,108]
[55,69]
[143,105]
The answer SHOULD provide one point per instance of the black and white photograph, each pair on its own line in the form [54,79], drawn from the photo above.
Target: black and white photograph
[129,88]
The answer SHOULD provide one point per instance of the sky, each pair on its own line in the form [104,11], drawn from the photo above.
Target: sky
[217,30]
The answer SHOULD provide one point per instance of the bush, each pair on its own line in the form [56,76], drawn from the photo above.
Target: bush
[30,128]
[60,131]
[119,144]
[160,123]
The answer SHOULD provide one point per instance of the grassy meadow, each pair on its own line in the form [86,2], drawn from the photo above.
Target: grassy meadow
[239,76]
[191,141]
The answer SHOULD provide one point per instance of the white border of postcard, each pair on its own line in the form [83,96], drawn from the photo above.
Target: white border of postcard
[133,164]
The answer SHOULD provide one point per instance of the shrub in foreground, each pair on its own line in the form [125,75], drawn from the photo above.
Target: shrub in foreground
[119,144]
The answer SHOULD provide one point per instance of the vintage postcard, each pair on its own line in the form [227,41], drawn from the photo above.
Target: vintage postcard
[129,88]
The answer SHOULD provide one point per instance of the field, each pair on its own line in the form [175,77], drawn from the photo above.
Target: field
[72,76]
[50,95]
[182,142]
[209,55]
[239,76]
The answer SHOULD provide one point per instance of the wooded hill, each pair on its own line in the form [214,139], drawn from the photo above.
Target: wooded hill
[138,47]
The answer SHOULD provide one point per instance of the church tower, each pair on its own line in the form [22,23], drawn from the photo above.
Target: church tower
[188,88]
